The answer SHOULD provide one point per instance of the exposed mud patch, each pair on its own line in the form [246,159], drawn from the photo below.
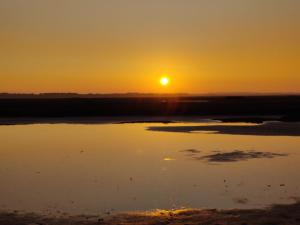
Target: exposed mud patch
[233,156]
[265,129]
[237,155]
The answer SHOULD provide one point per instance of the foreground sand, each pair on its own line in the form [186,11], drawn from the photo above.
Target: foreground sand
[275,215]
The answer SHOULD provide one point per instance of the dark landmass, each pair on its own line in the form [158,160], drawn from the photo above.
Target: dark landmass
[88,120]
[84,96]
[265,129]
[230,108]
[274,215]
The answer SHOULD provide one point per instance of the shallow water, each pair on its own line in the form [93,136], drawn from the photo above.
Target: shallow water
[125,167]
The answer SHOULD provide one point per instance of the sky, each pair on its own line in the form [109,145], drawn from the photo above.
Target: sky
[119,46]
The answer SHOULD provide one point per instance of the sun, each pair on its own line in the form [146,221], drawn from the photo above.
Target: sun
[164,81]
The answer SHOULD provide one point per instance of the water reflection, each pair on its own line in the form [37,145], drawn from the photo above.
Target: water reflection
[119,167]
[169,159]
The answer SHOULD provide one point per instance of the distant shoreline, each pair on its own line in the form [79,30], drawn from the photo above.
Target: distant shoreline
[132,119]
[230,108]
[4,95]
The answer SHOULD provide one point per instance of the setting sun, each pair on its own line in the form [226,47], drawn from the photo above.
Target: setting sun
[164,81]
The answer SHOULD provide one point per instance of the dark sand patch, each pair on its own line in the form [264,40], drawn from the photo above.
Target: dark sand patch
[265,129]
[191,151]
[237,155]
[276,214]
[233,156]
[242,201]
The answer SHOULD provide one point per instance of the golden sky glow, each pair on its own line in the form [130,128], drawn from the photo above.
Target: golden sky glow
[125,45]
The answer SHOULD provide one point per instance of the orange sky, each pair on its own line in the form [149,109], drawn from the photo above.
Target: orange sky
[127,45]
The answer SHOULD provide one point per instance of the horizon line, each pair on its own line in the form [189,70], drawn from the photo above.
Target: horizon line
[150,93]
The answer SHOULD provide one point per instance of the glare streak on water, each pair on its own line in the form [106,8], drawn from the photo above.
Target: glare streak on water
[124,167]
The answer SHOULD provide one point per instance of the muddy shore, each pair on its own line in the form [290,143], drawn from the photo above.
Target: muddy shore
[275,215]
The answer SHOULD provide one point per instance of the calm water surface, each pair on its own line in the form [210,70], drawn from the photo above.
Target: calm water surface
[124,167]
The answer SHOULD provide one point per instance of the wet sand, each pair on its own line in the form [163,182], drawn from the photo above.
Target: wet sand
[265,129]
[276,214]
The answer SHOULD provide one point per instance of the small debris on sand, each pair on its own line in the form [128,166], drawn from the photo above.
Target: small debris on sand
[242,201]
[194,151]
